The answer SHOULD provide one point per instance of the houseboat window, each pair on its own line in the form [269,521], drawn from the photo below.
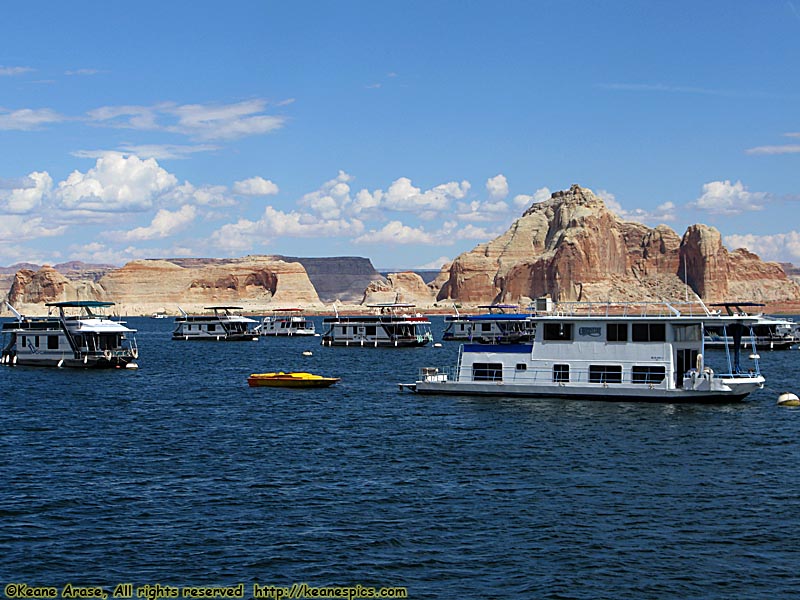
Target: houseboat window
[487,372]
[687,333]
[24,341]
[648,374]
[649,332]
[486,326]
[522,367]
[212,327]
[36,341]
[370,330]
[558,332]
[605,374]
[52,342]
[617,332]
[344,330]
[561,373]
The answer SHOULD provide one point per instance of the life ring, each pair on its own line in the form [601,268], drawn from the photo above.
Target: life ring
[107,354]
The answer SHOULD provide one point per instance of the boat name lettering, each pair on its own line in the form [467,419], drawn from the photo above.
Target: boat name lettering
[589,331]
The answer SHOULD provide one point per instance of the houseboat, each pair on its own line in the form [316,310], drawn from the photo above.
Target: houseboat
[286,322]
[502,324]
[388,328]
[78,335]
[613,352]
[772,333]
[220,324]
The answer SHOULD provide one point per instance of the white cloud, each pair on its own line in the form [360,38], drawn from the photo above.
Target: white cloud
[784,149]
[395,232]
[482,211]
[164,224]
[403,196]
[524,200]
[11,71]
[157,151]
[663,212]
[255,186]
[437,263]
[330,200]
[726,198]
[116,184]
[26,199]
[198,121]
[497,187]
[17,228]
[780,247]
[27,119]
[244,235]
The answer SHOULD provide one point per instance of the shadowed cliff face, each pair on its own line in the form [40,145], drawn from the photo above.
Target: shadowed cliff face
[573,248]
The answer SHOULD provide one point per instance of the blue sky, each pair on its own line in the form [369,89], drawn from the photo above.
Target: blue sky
[406,132]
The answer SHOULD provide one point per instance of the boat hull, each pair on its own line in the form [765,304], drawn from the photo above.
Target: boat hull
[610,393]
[290,380]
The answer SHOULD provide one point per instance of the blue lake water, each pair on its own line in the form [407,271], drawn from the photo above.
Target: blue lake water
[180,474]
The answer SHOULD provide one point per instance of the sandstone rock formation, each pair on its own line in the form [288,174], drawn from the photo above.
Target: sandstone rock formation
[48,285]
[407,287]
[147,286]
[573,248]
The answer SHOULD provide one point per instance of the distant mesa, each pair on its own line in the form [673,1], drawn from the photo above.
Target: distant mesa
[570,247]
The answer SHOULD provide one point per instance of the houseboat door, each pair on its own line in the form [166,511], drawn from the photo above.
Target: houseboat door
[685,360]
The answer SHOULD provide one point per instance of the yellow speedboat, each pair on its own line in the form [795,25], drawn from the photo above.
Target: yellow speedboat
[290,380]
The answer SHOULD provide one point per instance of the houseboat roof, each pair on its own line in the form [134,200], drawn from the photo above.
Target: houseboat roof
[80,304]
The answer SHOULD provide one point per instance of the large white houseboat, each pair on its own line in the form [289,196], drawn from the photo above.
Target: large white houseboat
[79,335]
[388,328]
[286,322]
[609,352]
[772,333]
[220,324]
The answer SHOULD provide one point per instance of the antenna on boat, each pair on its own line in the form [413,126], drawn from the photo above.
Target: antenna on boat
[17,314]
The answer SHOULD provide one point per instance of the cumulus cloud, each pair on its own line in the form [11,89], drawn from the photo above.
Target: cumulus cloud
[330,200]
[115,184]
[23,200]
[27,119]
[245,234]
[18,228]
[437,263]
[395,232]
[780,247]
[664,212]
[164,224]
[497,187]
[255,186]
[726,198]
[525,200]
[403,196]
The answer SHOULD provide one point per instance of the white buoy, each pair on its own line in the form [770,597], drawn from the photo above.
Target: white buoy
[788,399]
[437,345]
[61,362]
[754,357]
[131,365]
[307,353]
